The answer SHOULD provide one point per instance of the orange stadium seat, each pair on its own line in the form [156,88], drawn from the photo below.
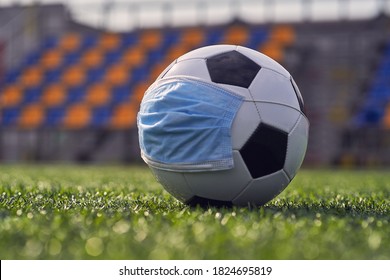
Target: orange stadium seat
[124,116]
[150,39]
[139,90]
[54,95]
[192,37]
[236,35]
[77,116]
[98,94]
[134,56]
[92,58]
[51,59]
[70,42]
[273,50]
[32,116]
[109,41]
[284,34]
[386,119]
[73,76]
[11,96]
[117,75]
[31,77]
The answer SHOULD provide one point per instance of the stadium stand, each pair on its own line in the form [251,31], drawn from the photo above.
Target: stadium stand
[373,111]
[81,80]
[74,95]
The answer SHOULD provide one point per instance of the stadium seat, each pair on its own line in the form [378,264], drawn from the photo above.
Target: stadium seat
[31,116]
[52,76]
[73,76]
[257,36]
[117,74]
[283,34]
[92,58]
[32,95]
[31,77]
[150,39]
[100,116]
[77,116]
[11,96]
[236,35]
[386,119]
[123,116]
[53,95]
[9,116]
[51,59]
[109,41]
[376,105]
[75,94]
[214,36]
[54,116]
[192,37]
[70,42]
[94,75]
[134,56]
[120,94]
[98,95]
[50,42]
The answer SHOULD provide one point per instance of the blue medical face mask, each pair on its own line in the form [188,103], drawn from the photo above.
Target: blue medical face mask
[184,124]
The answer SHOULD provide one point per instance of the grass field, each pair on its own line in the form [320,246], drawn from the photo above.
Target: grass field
[121,212]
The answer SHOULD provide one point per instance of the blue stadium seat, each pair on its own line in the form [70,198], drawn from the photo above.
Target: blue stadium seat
[9,116]
[32,95]
[128,40]
[72,58]
[121,94]
[11,76]
[54,116]
[76,94]
[257,36]
[33,58]
[101,116]
[378,96]
[88,41]
[50,42]
[52,76]
[112,57]
[95,74]
[140,73]
[213,36]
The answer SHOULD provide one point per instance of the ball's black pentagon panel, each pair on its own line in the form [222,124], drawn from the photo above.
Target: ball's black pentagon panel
[232,68]
[265,151]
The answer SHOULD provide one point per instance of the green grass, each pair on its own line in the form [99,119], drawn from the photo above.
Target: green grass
[108,212]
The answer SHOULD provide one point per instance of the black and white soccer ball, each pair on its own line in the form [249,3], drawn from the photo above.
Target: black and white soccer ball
[269,133]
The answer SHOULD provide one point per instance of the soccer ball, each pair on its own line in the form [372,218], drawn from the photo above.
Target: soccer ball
[223,125]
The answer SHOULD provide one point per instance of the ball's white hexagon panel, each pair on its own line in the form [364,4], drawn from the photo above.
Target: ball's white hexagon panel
[174,183]
[206,52]
[279,116]
[220,185]
[262,190]
[244,124]
[194,68]
[296,148]
[270,86]
[264,61]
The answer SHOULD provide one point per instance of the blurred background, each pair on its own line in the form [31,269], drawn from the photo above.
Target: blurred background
[73,73]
